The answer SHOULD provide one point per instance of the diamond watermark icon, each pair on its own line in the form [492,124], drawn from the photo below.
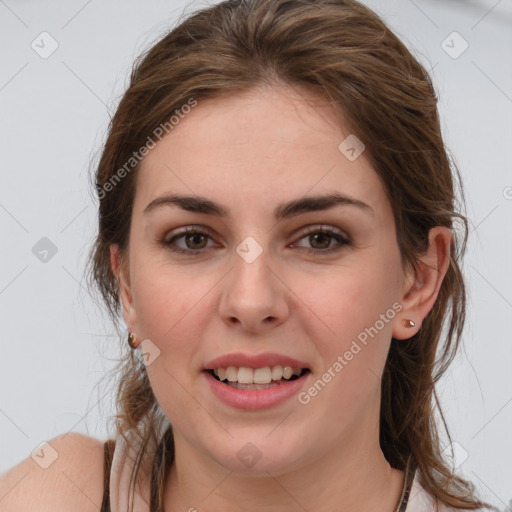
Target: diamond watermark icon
[44,250]
[457,453]
[44,455]
[352,147]
[148,353]
[454,45]
[249,454]
[44,45]
[249,250]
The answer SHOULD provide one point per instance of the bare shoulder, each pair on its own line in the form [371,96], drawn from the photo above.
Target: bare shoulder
[65,474]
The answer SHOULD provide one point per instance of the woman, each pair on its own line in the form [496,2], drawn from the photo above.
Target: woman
[293,349]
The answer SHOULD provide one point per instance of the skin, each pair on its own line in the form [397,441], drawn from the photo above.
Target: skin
[264,147]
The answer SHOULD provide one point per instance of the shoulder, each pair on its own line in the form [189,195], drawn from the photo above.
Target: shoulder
[444,508]
[68,475]
[422,501]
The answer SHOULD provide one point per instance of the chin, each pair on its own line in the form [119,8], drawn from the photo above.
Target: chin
[258,457]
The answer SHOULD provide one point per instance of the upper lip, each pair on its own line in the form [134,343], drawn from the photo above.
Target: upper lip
[239,359]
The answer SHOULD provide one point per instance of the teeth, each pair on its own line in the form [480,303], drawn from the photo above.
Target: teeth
[231,374]
[261,375]
[277,372]
[245,375]
[265,375]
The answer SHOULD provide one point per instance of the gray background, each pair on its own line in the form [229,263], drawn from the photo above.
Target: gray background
[55,343]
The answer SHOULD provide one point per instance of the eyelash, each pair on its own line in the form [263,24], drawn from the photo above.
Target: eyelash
[338,236]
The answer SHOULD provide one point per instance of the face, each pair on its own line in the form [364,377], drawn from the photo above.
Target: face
[322,286]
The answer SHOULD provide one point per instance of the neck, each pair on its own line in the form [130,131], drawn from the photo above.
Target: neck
[347,480]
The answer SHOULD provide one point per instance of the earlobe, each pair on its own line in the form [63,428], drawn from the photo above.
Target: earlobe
[421,289]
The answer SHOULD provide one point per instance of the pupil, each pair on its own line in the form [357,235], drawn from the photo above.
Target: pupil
[193,237]
[315,236]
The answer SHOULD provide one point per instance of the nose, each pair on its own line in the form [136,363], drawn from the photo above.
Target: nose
[255,296]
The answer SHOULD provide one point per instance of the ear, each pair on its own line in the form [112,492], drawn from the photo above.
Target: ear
[120,269]
[421,288]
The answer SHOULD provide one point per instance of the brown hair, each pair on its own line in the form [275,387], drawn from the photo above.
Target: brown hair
[344,51]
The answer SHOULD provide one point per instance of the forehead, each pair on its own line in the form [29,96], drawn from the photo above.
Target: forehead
[257,148]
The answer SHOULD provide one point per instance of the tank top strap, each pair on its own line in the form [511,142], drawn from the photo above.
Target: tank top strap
[124,493]
[108,451]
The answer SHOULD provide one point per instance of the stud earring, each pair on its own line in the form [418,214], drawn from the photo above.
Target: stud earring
[409,323]
[132,340]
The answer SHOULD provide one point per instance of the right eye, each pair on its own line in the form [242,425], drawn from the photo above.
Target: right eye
[192,237]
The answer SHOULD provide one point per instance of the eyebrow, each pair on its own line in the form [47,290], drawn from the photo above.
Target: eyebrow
[285,210]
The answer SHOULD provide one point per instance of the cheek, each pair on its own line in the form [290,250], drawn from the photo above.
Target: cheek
[170,309]
[343,303]
[350,316]
[353,346]
[175,307]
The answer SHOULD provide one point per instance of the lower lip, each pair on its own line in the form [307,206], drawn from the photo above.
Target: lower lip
[255,399]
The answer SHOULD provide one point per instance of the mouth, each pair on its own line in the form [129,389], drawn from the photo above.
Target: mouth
[257,378]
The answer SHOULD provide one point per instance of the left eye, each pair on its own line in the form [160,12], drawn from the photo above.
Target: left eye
[318,236]
[189,234]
